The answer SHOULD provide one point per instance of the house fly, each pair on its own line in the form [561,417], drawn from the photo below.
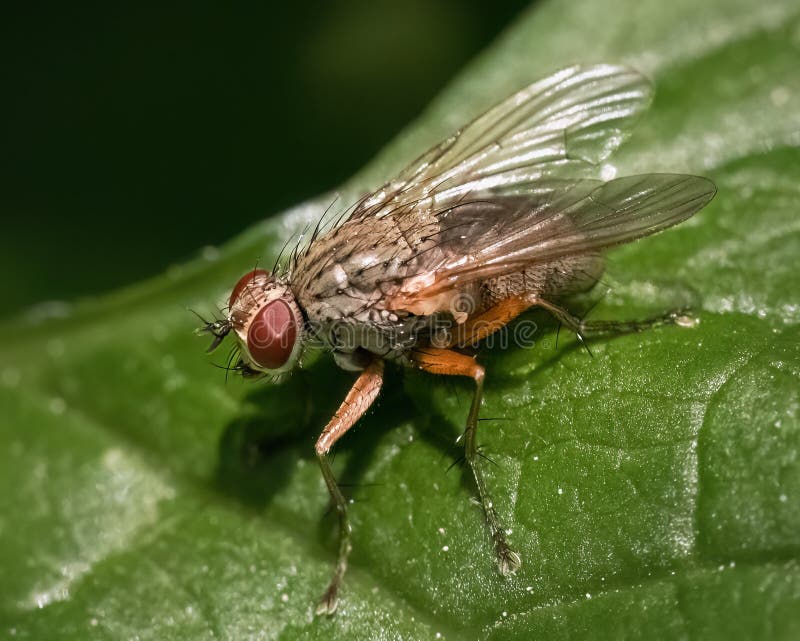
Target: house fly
[502,216]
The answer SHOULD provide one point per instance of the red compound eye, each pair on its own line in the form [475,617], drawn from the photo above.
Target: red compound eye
[272,335]
[248,280]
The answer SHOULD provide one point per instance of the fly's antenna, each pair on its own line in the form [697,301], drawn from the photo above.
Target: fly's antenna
[219,329]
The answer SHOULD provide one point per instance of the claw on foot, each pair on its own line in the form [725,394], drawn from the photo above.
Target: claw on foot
[329,602]
[508,560]
[684,319]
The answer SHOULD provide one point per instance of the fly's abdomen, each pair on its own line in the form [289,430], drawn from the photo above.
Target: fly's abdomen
[550,281]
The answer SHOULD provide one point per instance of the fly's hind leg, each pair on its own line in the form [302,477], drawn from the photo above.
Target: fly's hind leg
[364,391]
[448,362]
[584,328]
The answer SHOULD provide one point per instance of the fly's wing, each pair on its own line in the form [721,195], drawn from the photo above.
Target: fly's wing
[505,232]
[508,191]
[562,125]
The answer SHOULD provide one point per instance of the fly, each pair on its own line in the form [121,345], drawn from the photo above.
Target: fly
[502,216]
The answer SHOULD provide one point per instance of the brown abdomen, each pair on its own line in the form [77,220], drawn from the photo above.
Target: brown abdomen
[550,281]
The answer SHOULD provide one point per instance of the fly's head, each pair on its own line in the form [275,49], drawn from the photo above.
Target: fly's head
[266,322]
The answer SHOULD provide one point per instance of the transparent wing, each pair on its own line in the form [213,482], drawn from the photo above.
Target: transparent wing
[562,125]
[503,233]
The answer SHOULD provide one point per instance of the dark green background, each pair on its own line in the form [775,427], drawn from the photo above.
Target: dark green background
[134,135]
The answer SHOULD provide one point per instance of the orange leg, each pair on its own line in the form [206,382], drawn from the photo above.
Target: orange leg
[488,322]
[364,391]
[448,362]
[442,360]
[358,400]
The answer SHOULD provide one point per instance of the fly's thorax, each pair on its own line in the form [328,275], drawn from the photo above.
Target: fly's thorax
[267,322]
[352,270]
[346,279]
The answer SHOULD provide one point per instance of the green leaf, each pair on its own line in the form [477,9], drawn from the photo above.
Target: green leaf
[653,490]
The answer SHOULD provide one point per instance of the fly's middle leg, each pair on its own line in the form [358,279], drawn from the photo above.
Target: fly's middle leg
[448,362]
[508,560]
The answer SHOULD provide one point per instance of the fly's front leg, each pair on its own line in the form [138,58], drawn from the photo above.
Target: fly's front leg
[364,391]
[444,361]
[585,328]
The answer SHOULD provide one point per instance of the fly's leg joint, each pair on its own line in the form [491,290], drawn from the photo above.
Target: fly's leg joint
[363,393]
[452,363]
[508,560]
[585,328]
